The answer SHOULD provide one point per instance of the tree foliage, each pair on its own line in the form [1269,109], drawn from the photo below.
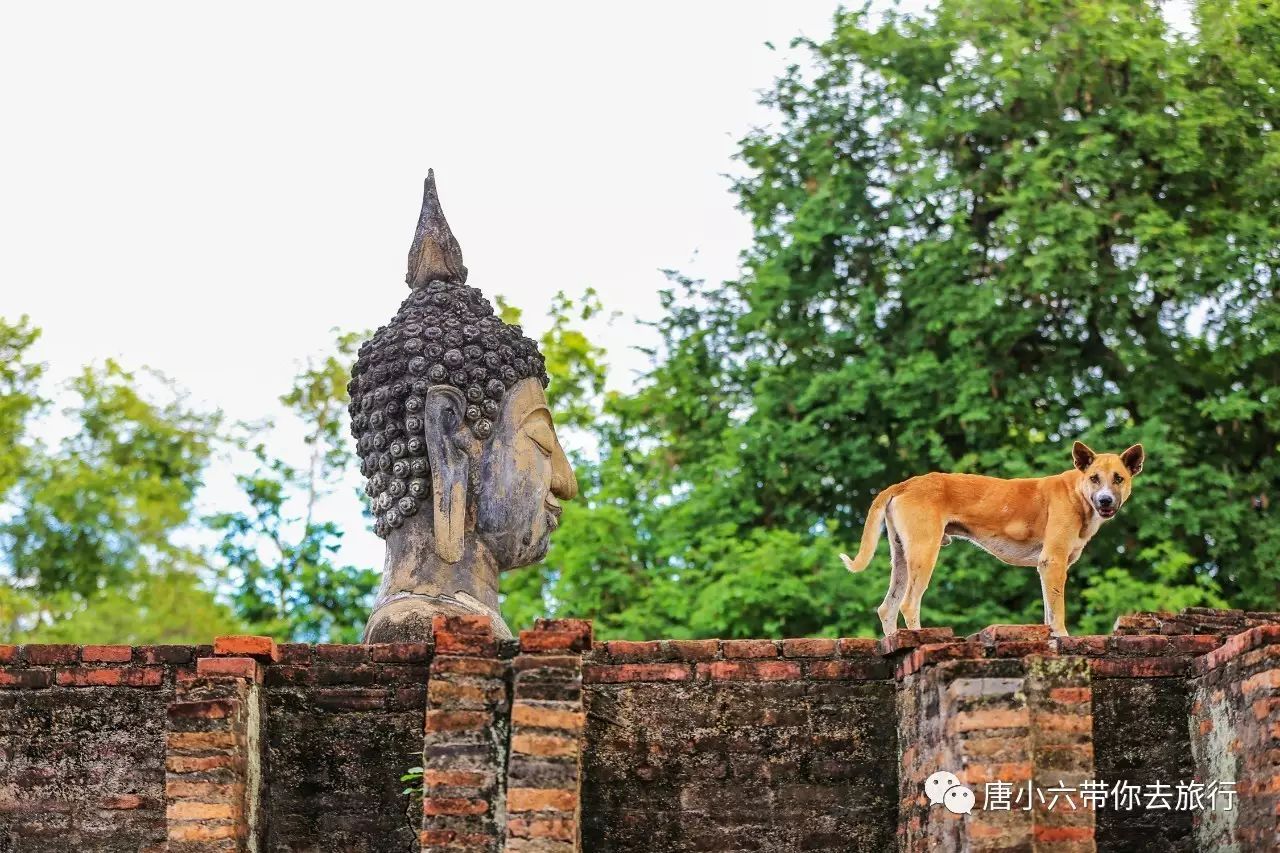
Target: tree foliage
[980,233]
[279,554]
[94,541]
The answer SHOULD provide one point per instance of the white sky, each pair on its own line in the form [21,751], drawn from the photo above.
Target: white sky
[207,190]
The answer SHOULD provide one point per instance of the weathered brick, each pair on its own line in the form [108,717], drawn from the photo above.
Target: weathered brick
[163,654]
[401,652]
[808,648]
[106,654]
[349,655]
[1070,695]
[989,718]
[546,662]
[623,651]
[540,799]
[202,764]
[477,645]
[732,649]
[1138,667]
[1092,645]
[749,670]
[459,665]
[858,646]
[227,668]
[194,810]
[430,837]
[455,778]
[245,646]
[452,721]
[904,639]
[202,831]
[52,654]
[1195,644]
[555,828]
[1266,680]
[199,741]
[557,635]
[294,654]
[179,789]
[1054,834]
[854,670]
[454,806]
[26,679]
[90,677]
[993,634]
[465,695]
[533,642]
[693,650]
[546,718]
[1011,771]
[8,654]
[543,745]
[1140,646]
[1020,648]
[602,674]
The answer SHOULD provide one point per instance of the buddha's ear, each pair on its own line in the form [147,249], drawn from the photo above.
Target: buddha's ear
[446,438]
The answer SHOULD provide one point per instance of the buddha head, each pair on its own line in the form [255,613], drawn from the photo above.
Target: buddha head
[465,474]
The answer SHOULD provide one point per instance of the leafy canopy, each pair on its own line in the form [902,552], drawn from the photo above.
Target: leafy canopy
[980,233]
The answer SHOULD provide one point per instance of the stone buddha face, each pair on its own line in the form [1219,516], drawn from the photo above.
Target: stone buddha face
[514,523]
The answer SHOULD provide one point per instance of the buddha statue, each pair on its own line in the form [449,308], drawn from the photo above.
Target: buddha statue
[464,472]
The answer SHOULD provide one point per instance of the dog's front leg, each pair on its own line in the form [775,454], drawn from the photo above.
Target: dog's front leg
[1053,584]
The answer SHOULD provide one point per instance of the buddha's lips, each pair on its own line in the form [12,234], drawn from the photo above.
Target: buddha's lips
[553,512]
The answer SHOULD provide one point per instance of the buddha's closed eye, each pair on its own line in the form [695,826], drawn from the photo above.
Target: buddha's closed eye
[537,428]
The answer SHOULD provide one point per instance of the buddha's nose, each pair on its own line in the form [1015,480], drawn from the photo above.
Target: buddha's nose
[564,484]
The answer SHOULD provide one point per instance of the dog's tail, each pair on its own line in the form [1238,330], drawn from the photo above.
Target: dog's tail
[871,531]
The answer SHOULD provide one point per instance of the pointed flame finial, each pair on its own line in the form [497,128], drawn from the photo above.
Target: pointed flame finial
[435,254]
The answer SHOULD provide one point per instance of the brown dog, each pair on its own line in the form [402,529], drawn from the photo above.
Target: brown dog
[1043,522]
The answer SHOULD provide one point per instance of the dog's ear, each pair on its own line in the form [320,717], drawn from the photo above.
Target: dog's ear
[1082,456]
[1133,459]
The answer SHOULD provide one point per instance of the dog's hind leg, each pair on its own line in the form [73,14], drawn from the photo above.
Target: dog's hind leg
[892,604]
[923,541]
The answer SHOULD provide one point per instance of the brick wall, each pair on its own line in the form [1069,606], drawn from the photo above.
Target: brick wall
[213,759]
[1000,708]
[82,745]
[544,770]
[341,725]
[739,745]
[1235,737]
[466,739]
[547,745]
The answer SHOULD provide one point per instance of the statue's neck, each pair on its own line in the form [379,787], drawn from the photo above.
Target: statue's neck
[413,566]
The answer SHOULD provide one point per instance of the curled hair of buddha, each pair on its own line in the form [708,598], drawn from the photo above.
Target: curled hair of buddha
[445,333]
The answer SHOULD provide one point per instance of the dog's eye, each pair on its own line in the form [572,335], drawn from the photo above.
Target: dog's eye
[1119,480]
[1095,479]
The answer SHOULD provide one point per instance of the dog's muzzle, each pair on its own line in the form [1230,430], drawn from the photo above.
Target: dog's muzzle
[1106,504]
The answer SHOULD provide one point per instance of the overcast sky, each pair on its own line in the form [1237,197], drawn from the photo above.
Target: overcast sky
[208,189]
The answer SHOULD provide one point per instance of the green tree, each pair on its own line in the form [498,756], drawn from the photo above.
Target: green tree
[19,397]
[94,526]
[279,555]
[166,605]
[980,233]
